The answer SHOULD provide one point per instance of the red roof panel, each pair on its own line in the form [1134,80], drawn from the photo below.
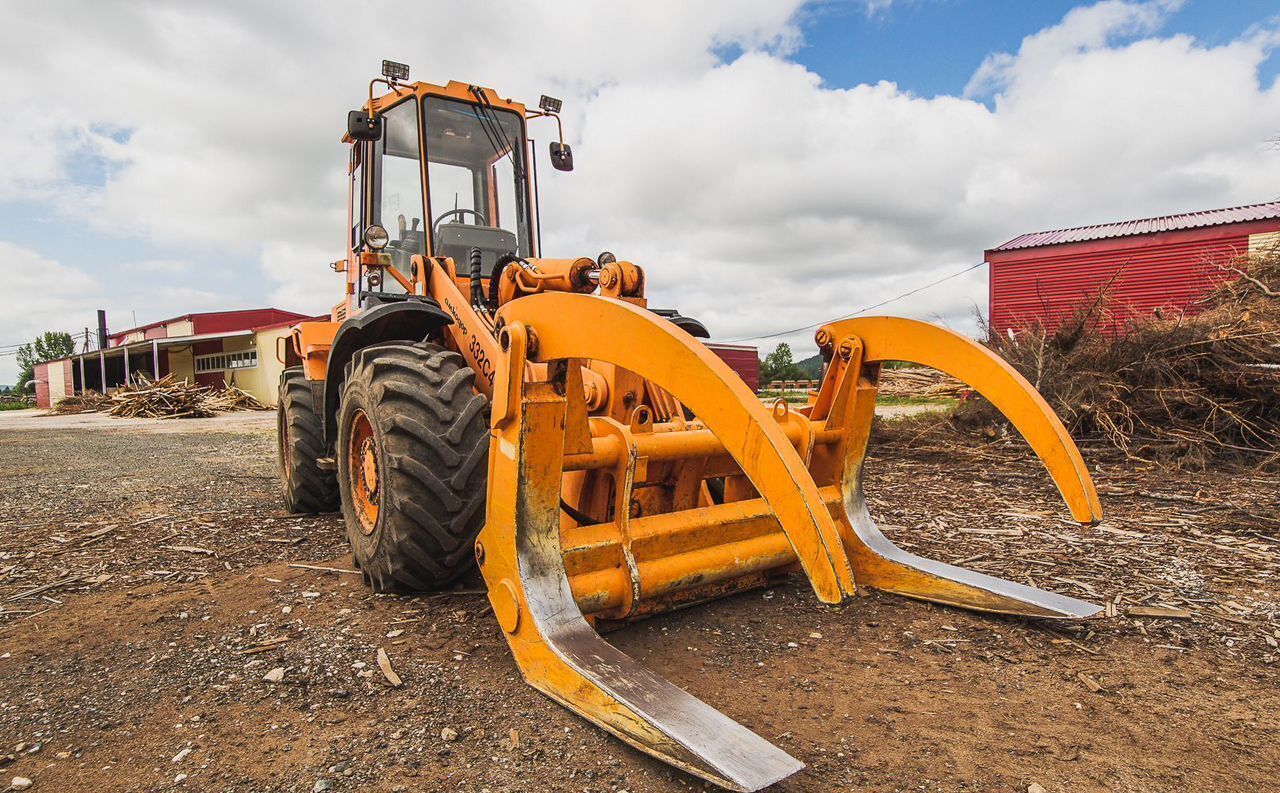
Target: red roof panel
[1127,228]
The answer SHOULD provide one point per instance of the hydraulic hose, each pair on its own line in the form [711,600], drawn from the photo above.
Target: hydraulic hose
[477,288]
[495,276]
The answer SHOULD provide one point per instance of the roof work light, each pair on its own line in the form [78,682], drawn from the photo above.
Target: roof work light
[395,72]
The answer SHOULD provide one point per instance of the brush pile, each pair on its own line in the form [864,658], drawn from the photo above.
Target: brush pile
[919,382]
[1183,390]
[165,398]
[88,402]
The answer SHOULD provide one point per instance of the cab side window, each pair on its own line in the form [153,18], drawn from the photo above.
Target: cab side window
[398,188]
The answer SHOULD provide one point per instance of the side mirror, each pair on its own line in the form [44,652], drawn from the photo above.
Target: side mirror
[561,157]
[361,127]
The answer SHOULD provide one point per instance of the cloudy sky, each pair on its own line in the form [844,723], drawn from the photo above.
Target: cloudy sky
[771,164]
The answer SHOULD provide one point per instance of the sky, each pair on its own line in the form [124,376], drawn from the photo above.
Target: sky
[771,164]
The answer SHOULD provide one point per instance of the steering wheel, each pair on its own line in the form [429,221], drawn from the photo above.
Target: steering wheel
[435,227]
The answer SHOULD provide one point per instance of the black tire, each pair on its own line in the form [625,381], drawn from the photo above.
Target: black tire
[299,446]
[412,410]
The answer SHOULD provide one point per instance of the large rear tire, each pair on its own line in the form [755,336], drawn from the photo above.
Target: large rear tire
[413,448]
[306,488]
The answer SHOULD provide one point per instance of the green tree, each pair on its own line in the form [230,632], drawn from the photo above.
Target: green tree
[780,365]
[48,346]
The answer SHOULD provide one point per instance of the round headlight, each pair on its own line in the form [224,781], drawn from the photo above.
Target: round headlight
[376,237]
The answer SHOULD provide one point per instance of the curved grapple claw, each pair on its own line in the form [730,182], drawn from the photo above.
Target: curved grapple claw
[791,498]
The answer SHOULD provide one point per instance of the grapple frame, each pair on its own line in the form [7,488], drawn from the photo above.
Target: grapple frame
[550,579]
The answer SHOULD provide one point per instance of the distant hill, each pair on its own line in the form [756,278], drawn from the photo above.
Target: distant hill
[812,366]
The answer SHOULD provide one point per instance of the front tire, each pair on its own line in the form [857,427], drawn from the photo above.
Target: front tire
[305,487]
[413,447]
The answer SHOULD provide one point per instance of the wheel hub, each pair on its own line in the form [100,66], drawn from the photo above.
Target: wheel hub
[364,477]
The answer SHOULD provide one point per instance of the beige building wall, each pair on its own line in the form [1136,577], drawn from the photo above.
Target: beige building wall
[269,365]
[183,327]
[57,382]
[243,379]
[182,364]
[262,381]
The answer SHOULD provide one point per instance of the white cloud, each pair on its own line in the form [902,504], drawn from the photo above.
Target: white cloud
[43,295]
[1081,31]
[757,198]
[163,266]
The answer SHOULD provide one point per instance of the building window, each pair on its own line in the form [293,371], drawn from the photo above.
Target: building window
[246,359]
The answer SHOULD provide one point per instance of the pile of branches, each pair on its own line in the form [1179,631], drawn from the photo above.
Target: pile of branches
[920,382]
[1186,390]
[230,399]
[88,402]
[165,398]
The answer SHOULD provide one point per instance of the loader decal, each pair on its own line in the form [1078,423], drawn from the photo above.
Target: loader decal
[479,358]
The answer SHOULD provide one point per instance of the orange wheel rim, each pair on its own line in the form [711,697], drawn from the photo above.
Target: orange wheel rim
[364,478]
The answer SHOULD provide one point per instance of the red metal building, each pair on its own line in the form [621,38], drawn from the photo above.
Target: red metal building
[213,349]
[1163,263]
[742,358]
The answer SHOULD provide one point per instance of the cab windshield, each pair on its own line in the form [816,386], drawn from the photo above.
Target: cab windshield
[476,170]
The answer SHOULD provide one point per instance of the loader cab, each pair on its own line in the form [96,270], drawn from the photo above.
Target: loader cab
[477,187]
[477,180]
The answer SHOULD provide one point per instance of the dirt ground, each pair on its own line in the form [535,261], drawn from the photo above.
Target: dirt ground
[146,591]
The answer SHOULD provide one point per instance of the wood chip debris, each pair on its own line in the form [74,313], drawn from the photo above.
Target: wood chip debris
[322,568]
[1089,682]
[384,663]
[270,644]
[47,587]
[188,549]
[1159,612]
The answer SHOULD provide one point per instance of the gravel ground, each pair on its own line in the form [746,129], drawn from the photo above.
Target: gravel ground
[175,648]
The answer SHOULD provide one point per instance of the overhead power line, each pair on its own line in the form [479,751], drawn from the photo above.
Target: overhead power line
[74,336]
[862,310]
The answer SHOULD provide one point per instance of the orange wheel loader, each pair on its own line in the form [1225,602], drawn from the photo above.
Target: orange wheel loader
[471,402]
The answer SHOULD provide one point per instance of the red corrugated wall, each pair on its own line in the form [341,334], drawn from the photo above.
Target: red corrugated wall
[42,385]
[742,359]
[1169,271]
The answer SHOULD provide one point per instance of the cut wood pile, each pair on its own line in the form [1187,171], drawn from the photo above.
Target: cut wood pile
[165,398]
[1183,389]
[922,383]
